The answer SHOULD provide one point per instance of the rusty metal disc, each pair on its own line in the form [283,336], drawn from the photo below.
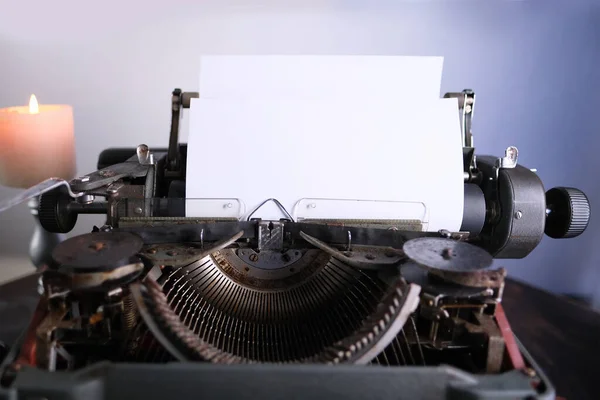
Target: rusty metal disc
[447,254]
[96,252]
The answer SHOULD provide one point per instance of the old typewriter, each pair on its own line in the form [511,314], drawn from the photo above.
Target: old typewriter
[157,304]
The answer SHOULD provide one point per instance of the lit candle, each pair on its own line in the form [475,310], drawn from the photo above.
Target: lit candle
[36,143]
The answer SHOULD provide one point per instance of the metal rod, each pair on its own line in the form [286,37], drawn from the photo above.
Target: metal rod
[92,208]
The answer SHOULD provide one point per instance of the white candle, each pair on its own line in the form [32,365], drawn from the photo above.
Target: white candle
[36,143]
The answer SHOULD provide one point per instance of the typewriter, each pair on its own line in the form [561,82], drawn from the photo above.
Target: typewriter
[157,304]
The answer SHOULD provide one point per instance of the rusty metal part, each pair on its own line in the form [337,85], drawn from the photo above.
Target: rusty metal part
[89,280]
[28,350]
[360,348]
[512,347]
[362,257]
[413,225]
[477,279]
[447,255]
[46,346]
[185,230]
[357,314]
[439,287]
[95,252]
[180,254]
[168,329]
[95,318]
[495,342]
[270,259]
[58,284]
[250,276]
[130,313]
[177,332]
[148,222]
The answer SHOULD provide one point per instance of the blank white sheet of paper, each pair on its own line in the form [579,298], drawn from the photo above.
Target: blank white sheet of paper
[319,76]
[364,156]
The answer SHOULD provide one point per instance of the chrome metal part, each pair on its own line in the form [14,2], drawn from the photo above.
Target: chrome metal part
[466,104]
[278,203]
[86,199]
[454,235]
[511,155]
[144,155]
[270,235]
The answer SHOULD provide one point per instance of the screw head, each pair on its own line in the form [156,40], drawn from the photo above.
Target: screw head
[518,214]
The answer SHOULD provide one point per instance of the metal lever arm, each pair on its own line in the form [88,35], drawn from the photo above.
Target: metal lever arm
[178,101]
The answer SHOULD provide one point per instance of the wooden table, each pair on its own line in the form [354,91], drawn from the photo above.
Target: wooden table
[561,335]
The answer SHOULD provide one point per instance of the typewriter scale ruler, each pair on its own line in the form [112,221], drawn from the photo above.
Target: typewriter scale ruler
[447,255]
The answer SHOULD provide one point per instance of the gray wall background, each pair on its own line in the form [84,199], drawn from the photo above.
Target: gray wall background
[533,64]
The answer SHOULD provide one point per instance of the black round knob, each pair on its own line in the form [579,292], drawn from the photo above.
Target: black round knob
[54,214]
[567,212]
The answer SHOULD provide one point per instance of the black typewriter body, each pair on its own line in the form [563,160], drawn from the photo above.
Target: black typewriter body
[155,304]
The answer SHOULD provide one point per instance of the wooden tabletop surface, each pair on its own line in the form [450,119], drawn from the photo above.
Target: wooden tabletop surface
[562,336]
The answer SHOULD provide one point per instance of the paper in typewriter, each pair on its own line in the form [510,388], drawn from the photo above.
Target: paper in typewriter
[274,76]
[373,153]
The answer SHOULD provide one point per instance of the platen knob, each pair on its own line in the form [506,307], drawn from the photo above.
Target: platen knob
[53,213]
[567,212]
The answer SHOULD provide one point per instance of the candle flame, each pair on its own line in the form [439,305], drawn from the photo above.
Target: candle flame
[33,105]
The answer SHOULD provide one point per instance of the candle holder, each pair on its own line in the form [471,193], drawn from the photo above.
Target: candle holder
[42,242]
